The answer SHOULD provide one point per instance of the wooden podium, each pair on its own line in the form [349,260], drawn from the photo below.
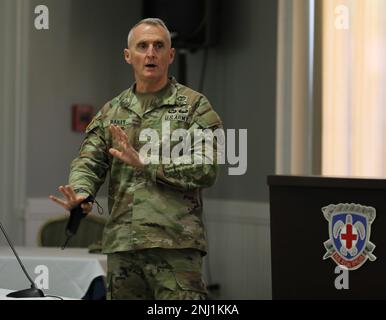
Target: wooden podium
[299,231]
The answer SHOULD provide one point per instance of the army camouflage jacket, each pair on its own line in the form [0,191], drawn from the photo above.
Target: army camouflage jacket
[159,206]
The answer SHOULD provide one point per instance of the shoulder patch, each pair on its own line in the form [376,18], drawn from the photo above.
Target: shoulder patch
[93,124]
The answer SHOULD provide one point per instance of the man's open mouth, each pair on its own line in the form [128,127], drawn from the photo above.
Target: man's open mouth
[150,65]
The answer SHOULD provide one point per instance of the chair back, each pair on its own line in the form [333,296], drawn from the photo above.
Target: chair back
[53,232]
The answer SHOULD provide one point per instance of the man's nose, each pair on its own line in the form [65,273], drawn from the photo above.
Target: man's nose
[150,51]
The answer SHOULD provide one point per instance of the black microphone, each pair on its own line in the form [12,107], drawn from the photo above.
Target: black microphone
[32,292]
[76,215]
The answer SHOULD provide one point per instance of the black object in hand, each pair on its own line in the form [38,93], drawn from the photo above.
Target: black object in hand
[76,215]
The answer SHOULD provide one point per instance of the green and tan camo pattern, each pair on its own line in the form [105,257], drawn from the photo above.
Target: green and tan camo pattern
[155,274]
[161,206]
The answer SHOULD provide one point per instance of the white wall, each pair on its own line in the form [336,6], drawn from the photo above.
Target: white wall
[78,60]
[241,84]
[239,248]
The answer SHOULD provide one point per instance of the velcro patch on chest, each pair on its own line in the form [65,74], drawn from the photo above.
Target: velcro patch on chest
[119,122]
[177,114]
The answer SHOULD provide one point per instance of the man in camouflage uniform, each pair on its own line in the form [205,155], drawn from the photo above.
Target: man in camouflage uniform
[154,237]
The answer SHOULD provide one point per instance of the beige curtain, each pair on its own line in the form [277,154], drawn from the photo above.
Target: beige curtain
[354,88]
[298,117]
[15,25]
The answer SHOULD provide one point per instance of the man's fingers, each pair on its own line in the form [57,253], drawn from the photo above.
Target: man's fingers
[116,153]
[127,153]
[121,139]
[65,192]
[71,192]
[122,134]
[118,134]
[64,204]
[118,131]
[114,132]
[71,201]
[125,147]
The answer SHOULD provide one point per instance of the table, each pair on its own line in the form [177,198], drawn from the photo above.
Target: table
[4,292]
[65,273]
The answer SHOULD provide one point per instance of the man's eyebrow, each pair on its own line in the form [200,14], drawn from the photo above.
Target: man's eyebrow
[140,43]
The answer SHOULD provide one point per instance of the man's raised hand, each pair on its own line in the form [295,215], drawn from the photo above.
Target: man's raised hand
[71,199]
[125,151]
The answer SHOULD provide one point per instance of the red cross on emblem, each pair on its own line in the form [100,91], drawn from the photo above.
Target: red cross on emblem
[349,237]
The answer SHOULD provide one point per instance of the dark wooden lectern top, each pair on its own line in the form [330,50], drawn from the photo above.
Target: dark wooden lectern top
[327,182]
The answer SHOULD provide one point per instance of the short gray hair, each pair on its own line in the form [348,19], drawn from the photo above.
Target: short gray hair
[149,21]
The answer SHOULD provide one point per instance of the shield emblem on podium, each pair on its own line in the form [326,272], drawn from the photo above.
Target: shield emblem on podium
[349,228]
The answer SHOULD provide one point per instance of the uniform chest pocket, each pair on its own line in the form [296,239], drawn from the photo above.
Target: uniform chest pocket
[129,125]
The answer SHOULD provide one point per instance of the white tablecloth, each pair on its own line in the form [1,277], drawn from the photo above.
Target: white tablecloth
[70,271]
[4,292]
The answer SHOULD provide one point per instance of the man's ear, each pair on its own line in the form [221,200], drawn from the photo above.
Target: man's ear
[127,55]
[172,55]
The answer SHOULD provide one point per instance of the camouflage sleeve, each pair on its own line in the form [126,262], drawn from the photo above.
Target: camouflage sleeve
[88,170]
[202,170]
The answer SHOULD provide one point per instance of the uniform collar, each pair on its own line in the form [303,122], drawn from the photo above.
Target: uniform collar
[129,100]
